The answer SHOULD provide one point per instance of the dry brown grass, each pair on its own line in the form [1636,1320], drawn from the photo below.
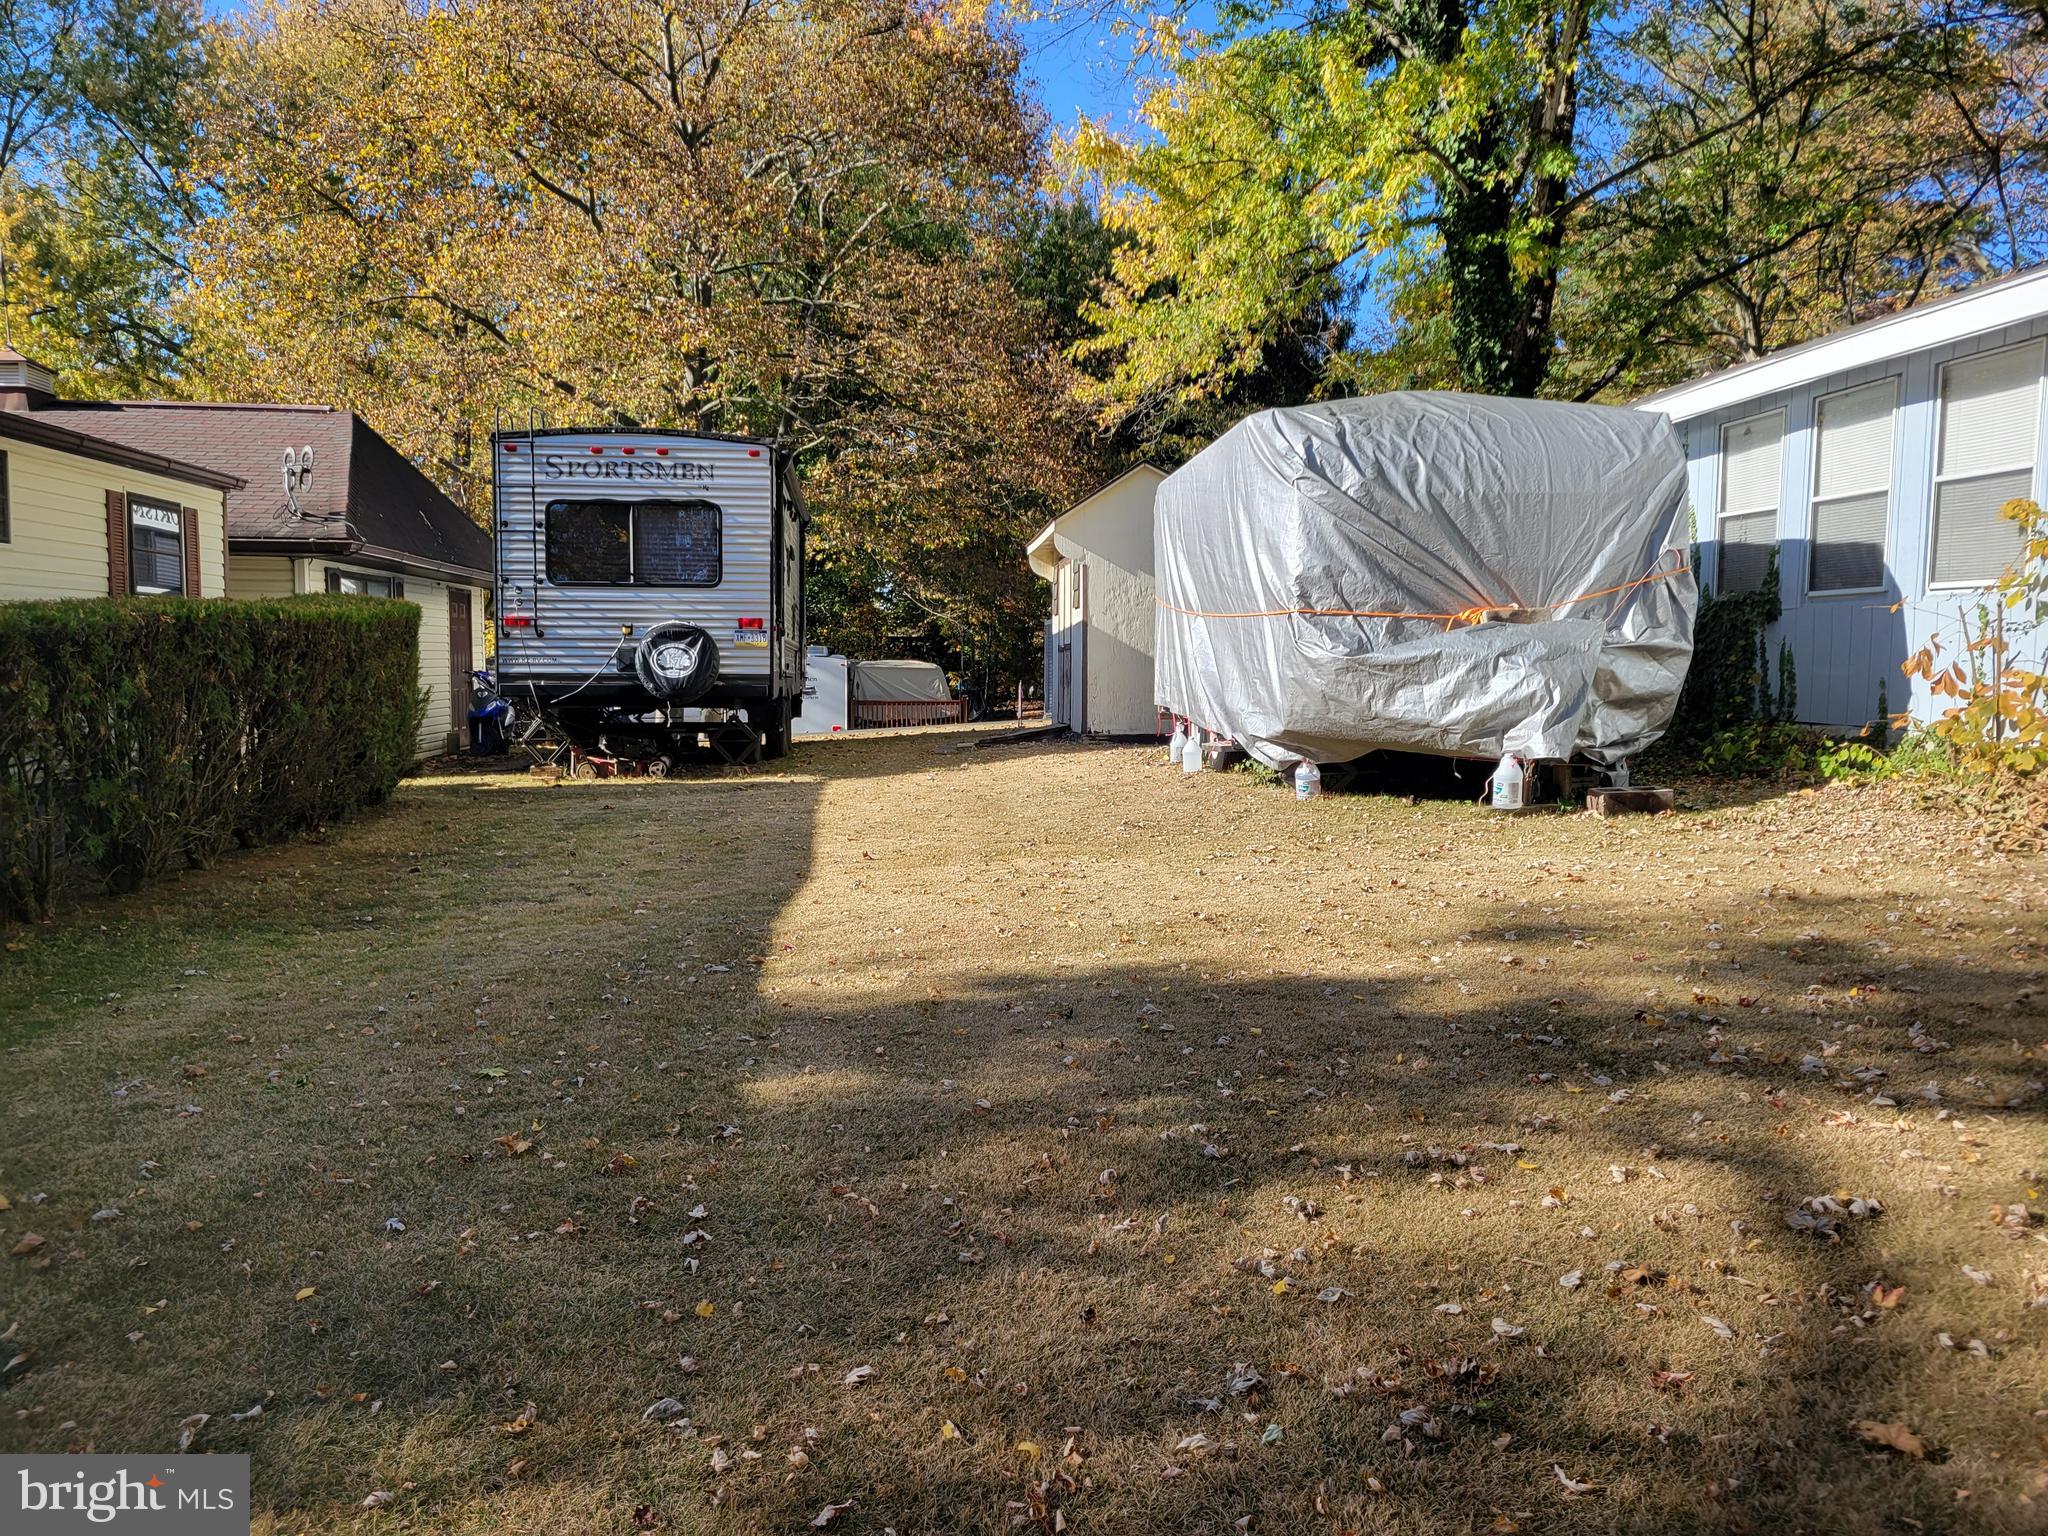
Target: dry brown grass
[987,1069]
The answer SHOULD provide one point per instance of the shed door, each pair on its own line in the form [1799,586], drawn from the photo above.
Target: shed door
[459,664]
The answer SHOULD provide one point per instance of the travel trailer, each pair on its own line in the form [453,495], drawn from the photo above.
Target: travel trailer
[650,589]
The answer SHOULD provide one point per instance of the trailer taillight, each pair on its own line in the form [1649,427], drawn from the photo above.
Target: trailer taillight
[518,621]
[751,624]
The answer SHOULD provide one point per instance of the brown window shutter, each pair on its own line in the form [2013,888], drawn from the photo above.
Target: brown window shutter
[117,544]
[188,535]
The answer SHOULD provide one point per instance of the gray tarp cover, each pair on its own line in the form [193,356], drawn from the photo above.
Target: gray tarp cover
[1272,542]
[900,682]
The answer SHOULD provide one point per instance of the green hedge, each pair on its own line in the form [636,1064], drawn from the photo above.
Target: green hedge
[144,734]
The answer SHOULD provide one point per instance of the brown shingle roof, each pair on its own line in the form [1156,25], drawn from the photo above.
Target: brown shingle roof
[19,426]
[363,495]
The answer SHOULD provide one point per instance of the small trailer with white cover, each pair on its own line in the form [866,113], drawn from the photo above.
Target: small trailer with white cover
[650,590]
[1453,575]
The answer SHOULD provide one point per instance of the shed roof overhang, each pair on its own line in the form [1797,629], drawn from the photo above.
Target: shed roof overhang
[1043,552]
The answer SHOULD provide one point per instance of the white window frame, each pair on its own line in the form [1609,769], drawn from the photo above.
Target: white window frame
[1814,499]
[170,514]
[2040,346]
[1721,512]
[337,574]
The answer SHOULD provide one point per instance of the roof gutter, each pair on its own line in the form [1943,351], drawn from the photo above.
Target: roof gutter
[352,548]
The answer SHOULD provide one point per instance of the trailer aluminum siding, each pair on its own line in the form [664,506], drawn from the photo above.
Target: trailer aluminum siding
[575,630]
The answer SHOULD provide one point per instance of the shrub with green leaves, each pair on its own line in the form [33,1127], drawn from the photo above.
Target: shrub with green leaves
[148,734]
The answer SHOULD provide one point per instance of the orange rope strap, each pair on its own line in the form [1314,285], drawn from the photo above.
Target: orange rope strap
[1476,614]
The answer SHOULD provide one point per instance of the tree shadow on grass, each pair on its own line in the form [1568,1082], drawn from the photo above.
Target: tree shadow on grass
[1018,1195]
[968,1198]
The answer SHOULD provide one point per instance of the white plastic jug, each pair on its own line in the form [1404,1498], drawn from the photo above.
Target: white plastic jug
[1308,780]
[1175,747]
[1510,785]
[1191,754]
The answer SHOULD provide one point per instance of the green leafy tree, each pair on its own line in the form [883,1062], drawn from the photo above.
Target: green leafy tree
[1551,195]
[1781,168]
[95,199]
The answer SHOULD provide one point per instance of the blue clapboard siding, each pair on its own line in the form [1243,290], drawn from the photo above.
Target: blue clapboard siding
[1845,644]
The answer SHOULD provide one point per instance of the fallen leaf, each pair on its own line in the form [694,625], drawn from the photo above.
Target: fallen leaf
[377,1500]
[1719,1327]
[188,1429]
[858,1374]
[305,1293]
[829,1513]
[30,1242]
[1574,1487]
[1894,1437]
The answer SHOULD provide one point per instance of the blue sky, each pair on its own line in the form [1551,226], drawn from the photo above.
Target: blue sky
[1077,67]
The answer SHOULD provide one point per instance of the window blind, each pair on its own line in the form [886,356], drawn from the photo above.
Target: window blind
[1990,431]
[1747,540]
[1752,454]
[1852,471]
[1971,541]
[1990,411]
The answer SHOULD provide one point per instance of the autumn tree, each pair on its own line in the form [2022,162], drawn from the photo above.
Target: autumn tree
[750,216]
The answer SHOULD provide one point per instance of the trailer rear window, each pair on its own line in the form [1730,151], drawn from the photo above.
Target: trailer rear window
[635,543]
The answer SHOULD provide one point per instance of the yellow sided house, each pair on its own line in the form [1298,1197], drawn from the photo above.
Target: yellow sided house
[83,516]
[310,498]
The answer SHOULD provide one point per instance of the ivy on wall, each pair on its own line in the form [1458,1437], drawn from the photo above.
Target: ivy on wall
[1729,685]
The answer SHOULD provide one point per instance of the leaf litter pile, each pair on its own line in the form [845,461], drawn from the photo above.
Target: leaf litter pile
[1032,1140]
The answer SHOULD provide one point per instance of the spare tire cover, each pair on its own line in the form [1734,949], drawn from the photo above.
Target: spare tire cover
[676,662]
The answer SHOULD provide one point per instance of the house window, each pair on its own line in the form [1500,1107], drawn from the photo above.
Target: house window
[1990,433]
[1752,454]
[635,543]
[156,549]
[357,584]
[1852,479]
